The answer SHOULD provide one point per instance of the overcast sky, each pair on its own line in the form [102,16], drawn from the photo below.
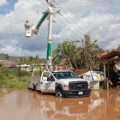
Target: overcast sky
[99,18]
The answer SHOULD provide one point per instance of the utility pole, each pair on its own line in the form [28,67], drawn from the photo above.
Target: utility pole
[30,31]
[50,25]
[49,45]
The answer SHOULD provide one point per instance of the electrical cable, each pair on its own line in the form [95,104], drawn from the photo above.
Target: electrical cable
[75,37]
[73,27]
[95,5]
[83,32]
[77,26]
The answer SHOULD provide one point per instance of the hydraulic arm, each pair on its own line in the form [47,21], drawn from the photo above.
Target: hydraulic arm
[40,22]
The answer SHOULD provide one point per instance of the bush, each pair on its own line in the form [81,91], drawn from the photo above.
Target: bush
[1,76]
[2,83]
[17,84]
[13,78]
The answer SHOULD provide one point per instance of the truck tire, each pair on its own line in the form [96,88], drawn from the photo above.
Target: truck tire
[34,87]
[59,93]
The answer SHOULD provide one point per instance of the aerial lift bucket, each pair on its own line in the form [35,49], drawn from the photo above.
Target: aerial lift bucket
[28,29]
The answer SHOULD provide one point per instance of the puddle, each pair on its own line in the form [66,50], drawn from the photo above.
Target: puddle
[29,105]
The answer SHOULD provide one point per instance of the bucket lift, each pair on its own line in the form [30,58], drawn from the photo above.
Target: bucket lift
[28,29]
[31,30]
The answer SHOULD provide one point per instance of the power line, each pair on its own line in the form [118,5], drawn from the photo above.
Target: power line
[68,21]
[75,0]
[77,22]
[84,31]
[79,5]
[72,31]
[74,27]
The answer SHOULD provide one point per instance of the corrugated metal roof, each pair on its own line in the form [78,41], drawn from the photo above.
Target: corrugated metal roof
[113,55]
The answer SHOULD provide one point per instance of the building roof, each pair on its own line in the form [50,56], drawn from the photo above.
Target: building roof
[113,55]
[80,71]
[7,63]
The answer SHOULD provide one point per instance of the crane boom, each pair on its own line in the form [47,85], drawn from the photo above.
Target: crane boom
[42,19]
[35,31]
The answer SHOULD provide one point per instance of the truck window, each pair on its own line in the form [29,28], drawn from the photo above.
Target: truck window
[50,78]
[47,76]
[65,75]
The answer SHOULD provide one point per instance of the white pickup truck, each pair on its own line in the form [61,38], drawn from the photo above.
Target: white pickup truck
[61,83]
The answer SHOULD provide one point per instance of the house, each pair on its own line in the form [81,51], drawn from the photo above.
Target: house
[111,63]
[8,64]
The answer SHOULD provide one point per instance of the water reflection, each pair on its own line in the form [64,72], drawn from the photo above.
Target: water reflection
[73,108]
[24,104]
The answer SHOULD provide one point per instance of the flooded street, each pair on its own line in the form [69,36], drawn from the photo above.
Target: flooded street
[29,105]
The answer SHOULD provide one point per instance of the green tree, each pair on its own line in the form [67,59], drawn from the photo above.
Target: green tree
[68,52]
[37,60]
[78,57]
[6,57]
[90,52]
[30,60]
[21,60]
[1,66]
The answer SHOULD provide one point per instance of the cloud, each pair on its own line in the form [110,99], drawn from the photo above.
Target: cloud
[12,29]
[3,2]
[103,23]
[15,49]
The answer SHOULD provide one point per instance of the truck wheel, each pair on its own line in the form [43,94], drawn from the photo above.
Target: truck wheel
[59,93]
[34,87]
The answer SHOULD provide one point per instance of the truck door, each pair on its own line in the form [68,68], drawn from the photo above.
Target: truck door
[47,83]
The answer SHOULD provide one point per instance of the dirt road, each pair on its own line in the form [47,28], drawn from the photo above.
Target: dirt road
[29,105]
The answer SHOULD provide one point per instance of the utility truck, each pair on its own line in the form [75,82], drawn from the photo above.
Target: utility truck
[61,83]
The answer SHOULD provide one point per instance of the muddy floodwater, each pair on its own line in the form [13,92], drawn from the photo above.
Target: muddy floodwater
[29,105]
